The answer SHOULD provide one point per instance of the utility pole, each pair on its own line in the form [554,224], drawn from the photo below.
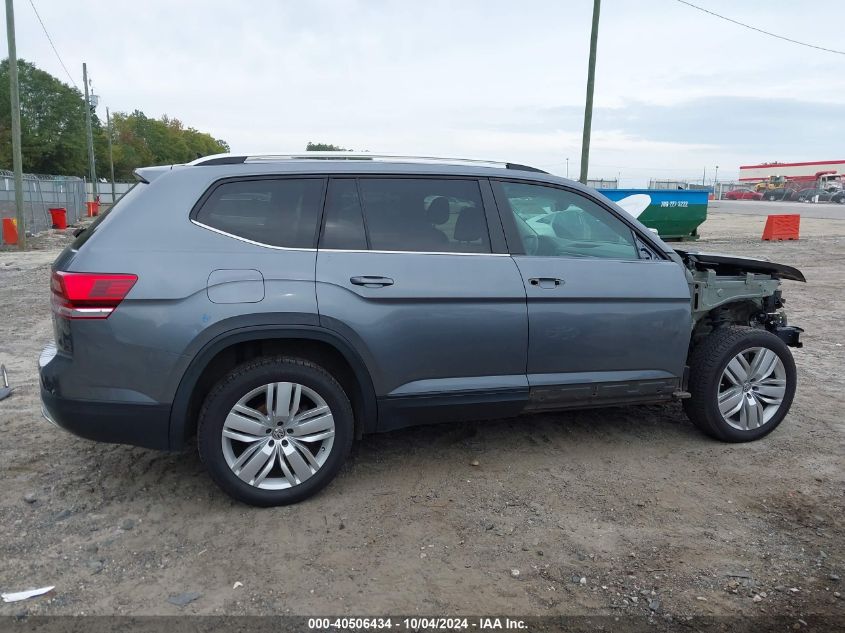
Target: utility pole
[567,168]
[111,157]
[90,133]
[17,160]
[591,80]
[704,176]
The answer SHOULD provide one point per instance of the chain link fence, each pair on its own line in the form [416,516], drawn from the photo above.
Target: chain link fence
[104,191]
[601,183]
[40,194]
[679,184]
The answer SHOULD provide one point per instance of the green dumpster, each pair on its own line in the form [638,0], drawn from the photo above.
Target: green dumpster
[676,214]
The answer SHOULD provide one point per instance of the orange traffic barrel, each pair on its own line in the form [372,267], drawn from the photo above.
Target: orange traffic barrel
[10,231]
[59,217]
[93,208]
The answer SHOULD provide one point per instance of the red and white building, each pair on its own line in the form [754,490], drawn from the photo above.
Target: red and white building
[805,174]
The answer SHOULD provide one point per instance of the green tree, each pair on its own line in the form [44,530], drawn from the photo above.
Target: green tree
[53,139]
[323,147]
[138,140]
[52,123]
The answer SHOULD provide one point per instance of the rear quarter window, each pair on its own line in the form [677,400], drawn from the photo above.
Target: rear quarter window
[134,191]
[276,212]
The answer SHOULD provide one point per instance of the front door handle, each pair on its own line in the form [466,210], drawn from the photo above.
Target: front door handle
[546,282]
[371,281]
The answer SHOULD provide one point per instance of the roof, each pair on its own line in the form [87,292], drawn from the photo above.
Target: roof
[327,163]
[234,159]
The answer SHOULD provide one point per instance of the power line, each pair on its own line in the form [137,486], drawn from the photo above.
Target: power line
[754,28]
[50,39]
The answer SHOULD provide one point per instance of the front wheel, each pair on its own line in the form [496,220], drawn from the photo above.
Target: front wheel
[275,431]
[742,382]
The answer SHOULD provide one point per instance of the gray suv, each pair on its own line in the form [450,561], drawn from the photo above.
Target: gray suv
[277,307]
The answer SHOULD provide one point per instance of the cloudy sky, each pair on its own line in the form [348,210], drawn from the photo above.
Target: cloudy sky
[677,91]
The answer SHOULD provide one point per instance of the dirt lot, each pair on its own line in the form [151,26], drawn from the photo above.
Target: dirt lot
[620,511]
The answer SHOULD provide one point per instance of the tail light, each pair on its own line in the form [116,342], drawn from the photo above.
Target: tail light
[88,295]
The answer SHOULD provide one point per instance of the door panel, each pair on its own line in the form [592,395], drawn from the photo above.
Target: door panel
[446,324]
[606,320]
[603,323]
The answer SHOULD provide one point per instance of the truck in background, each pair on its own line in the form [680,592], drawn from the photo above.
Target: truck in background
[824,175]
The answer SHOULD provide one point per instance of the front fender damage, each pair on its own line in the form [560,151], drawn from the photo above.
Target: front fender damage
[728,290]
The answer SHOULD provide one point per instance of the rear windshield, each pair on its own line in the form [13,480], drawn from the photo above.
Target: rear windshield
[89,231]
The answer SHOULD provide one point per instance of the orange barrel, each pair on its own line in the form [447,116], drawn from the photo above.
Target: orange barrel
[10,231]
[93,208]
[59,216]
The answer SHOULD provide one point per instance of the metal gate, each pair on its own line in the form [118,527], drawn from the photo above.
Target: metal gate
[40,194]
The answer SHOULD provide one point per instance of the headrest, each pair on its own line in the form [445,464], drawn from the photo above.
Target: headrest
[438,210]
[470,225]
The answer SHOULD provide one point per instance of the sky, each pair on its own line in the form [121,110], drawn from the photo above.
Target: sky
[678,92]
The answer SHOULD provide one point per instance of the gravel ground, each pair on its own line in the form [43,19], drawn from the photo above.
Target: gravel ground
[618,511]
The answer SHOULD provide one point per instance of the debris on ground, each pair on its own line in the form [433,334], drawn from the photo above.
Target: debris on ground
[25,595]
[5,389]
[181,599]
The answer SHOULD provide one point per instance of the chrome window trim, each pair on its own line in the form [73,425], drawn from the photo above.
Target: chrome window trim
[249,241]
[337,250]
[345,250]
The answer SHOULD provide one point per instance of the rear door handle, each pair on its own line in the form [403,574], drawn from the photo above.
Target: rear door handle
[371,281]
[546,282]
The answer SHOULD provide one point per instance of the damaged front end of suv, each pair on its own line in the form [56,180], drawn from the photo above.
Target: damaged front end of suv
[729,290]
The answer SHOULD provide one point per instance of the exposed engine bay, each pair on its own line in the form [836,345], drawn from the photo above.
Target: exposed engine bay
[728,290]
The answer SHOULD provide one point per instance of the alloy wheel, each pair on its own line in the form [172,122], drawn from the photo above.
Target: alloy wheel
[752,388]
[278,435]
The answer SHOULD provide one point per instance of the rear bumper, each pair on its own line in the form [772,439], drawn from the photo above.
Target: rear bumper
[144,425]
[138,424]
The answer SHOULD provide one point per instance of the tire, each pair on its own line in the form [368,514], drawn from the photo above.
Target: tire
[300,390]
[710,381]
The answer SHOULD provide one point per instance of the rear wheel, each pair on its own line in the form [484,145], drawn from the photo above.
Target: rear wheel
[275,431]
[742,382]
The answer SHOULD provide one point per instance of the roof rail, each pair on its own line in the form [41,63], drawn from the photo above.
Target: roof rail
[232,159]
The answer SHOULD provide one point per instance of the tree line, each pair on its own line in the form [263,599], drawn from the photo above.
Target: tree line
[53,139]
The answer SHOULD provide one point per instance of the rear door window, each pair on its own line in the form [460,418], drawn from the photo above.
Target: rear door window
[424,215]
[276,212]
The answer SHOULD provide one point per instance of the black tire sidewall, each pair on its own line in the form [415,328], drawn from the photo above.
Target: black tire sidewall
[752,339]
[220,402]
